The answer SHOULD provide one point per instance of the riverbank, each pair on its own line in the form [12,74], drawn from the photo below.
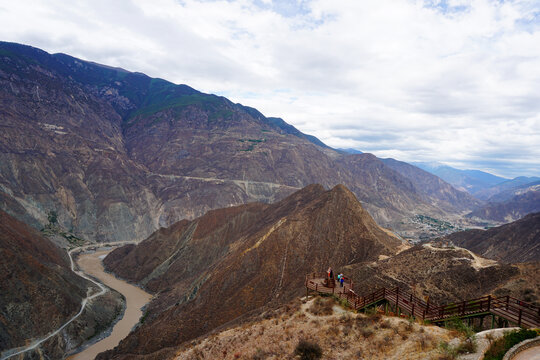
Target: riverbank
[135,297]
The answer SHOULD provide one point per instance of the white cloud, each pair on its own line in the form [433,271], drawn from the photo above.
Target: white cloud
[453,81]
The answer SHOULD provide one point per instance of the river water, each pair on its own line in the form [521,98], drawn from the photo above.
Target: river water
[135,300]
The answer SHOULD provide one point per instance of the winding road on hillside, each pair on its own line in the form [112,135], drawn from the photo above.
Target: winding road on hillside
[102,290]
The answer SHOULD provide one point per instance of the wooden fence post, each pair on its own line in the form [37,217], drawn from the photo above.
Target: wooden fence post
[489,303]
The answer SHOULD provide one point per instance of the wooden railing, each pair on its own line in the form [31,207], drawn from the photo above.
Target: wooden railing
[514,310]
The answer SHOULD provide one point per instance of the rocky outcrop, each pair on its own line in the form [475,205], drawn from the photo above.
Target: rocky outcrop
[236,261]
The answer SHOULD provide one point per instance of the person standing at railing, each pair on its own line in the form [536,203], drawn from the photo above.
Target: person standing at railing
[341,279]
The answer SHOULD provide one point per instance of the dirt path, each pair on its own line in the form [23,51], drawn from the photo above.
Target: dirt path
[136,298]
[477,261]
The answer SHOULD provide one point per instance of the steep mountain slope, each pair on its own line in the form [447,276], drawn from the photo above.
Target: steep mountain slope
[235,261]
[518,241]
[39,293]
[118,154]
[35,280]
[510,210]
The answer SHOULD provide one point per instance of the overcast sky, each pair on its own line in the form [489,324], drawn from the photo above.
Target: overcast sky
[451,81]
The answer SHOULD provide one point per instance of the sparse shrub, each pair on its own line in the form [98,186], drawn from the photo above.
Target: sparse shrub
[468,346]
[321,307]
[409,327]
[448,352]
[52,216]
[500,346]
[333,331]
[367,332]
[300,315]
[425,341]
[459,326]
[308,350]
[386,324]
[260,354]
[361,321]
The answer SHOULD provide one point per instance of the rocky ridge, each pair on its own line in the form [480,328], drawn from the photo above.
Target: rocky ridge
[238,261]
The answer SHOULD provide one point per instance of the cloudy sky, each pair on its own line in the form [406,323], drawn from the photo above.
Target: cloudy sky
[452,81]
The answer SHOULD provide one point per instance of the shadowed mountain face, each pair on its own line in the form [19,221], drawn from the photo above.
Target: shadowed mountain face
[118,154]
[236,261]
[506,190]
[516,242]
[39,291]
[513,209]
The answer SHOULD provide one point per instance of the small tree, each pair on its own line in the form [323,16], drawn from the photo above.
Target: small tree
[53,217]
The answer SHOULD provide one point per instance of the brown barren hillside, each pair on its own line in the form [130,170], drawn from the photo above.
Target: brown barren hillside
[515,242]
[237,261]
[35,279]
[320,323]
[40,293]
[443,274]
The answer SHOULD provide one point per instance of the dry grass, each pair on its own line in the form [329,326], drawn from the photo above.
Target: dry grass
[339,335]
[322,306]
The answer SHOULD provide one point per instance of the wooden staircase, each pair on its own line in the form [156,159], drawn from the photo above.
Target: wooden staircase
[400,301]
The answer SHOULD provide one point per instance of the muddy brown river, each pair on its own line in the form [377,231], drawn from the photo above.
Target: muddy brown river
[135,299]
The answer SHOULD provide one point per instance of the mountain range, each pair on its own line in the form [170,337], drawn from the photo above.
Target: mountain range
[482,185]
[117,155]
